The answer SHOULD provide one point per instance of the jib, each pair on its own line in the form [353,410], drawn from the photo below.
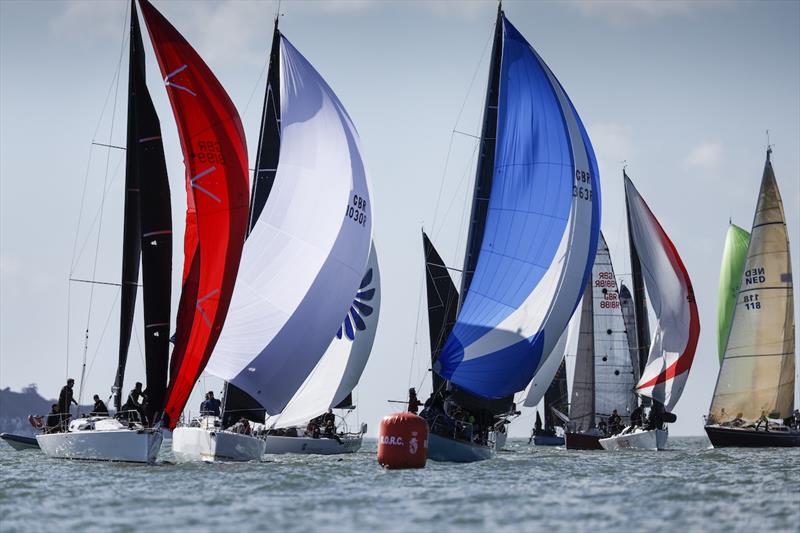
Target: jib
[392,441]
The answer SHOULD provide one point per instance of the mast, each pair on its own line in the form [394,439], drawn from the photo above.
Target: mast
[485,167]
[639,298]
[131,243]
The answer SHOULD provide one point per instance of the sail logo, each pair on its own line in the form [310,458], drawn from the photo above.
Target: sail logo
[360,308]
[413,445]
[392,441]
[752,276]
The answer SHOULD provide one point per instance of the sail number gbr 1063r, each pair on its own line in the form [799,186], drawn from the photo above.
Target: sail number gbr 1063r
[357,210]
[583,185]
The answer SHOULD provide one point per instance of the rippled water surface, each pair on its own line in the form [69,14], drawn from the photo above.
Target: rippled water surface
[689,487]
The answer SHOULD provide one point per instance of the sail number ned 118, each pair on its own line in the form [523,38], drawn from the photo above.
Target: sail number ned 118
[583,185]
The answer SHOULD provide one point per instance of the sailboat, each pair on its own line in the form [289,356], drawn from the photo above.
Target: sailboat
[330,385]
[304,261]
[753,403]
[532,236]
[656,266]
[216,182]
[606,370]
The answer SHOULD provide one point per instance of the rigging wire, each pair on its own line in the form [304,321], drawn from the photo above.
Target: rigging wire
[73,259]
[434,231]
[102,203]
[455,126]
[100,341]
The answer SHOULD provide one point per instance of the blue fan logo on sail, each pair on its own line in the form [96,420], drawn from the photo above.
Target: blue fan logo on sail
[354,320]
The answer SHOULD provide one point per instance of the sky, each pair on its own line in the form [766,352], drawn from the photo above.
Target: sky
[683,91]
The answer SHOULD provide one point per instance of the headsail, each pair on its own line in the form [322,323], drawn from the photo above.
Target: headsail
[303,260]
[730,276]
[672,297]
[629,317]
[148,231]
[215,156]
[757,372]
[340,368]
[442,305]
[539,230]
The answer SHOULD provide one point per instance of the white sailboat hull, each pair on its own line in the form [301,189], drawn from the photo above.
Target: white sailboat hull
[105,440]
[309,445]
[194,444]
[640,439]
[500,440]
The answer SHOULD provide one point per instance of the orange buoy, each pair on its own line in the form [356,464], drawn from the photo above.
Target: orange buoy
[403,441]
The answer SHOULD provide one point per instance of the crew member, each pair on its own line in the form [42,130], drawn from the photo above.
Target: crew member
[53,422]
[99,407]
[133,403]
[210,406]
[65,399]
[413,401]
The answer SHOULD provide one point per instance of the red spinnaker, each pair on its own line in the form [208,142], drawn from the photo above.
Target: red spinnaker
[215,155]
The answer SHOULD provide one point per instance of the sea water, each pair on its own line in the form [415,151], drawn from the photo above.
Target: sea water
[687,488]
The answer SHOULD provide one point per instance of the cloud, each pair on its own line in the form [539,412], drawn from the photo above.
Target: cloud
[625,12]
[613,144]
[87,20]
[706,156]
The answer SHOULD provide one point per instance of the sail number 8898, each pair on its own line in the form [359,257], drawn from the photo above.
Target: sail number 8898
[583,185]
[356,211]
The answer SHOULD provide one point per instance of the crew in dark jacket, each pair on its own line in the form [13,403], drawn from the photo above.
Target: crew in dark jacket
[99,408]
[65,399]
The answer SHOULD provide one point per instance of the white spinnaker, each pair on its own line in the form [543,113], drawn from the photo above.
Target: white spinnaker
[566,342]
[672,297]
[339,370]
[304,260]
[757,372]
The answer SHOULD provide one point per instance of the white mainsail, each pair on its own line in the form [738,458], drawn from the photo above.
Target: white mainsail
[303,261]
[757,373]
[672,297]
[339,370]
[604,375]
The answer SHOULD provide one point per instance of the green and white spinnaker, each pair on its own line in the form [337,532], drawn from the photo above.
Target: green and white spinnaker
[730,276]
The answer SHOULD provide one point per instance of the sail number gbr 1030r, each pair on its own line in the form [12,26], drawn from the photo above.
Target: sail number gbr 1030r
[583,185]
[357,210]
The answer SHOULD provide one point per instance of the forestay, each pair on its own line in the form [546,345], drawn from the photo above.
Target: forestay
[539,238]
[305,256]
[339,370]
[757,373]
[672,297]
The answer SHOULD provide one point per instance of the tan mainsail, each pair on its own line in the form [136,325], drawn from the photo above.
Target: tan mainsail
[757,373]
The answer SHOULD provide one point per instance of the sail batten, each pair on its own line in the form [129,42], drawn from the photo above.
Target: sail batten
[756,375]
[540,233]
